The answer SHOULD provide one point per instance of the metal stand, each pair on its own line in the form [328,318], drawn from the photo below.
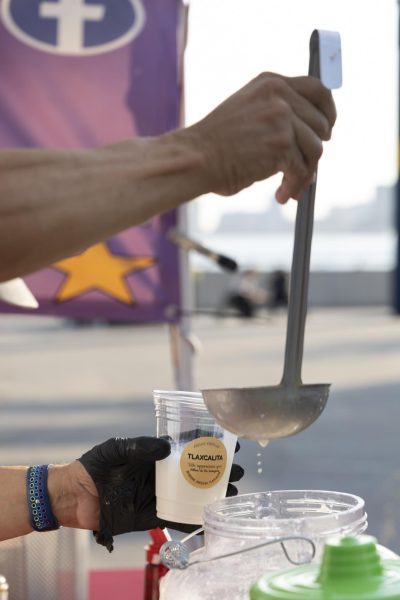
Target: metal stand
[181,347]
[396,282]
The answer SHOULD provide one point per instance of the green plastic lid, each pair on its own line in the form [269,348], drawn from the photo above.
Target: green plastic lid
[351,569]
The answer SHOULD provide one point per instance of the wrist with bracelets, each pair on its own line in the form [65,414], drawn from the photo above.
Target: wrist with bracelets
[41,516]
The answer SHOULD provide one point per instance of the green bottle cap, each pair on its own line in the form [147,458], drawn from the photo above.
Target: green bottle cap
[351,569]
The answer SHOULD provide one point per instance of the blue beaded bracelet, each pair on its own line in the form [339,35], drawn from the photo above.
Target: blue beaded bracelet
[40,514]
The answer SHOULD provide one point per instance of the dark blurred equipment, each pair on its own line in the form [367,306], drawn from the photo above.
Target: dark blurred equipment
[187,243]
[278,293]
[246,295]
[242,305]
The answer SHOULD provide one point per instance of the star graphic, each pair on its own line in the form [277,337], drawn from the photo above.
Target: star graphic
[98,269]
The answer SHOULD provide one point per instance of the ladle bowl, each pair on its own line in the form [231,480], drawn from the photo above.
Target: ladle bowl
[267,413]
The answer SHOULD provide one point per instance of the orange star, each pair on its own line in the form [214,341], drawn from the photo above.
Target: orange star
[98,269]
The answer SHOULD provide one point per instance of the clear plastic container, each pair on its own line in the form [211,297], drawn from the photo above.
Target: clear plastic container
[196,472]
[248,520]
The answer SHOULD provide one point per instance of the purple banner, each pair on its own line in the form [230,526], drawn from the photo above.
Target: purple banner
[81,73]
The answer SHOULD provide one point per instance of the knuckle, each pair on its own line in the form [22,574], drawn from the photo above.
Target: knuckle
[327,103]
[272,83]
[320,96]
[282,113]
[284,141]
[276,85]
[313,151]
[266,76]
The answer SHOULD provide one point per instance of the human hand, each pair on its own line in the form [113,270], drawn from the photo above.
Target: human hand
[115,490]
[273,124]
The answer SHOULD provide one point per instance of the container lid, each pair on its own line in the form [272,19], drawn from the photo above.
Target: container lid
[351,569]
[317,514]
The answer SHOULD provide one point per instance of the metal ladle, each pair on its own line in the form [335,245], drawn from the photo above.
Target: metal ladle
[265,413]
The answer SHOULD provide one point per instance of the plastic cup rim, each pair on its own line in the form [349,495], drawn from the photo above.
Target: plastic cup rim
[222,524]
[180,394]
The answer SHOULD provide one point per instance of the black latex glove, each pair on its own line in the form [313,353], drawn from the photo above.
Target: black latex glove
[123,470]
[235,475]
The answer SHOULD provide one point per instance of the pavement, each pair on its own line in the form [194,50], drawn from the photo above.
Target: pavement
[64,388]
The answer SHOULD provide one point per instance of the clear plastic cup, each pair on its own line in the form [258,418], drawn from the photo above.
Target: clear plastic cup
[196,473]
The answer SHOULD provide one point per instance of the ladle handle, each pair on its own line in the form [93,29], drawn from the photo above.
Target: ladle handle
[298,293]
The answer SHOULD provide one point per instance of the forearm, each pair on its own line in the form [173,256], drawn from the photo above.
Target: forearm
[54,203]
[64,485]
[14,516]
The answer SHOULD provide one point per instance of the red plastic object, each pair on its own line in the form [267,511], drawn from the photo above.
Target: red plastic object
[154,569]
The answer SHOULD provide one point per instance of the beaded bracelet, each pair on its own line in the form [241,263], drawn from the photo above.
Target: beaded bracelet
[40,514]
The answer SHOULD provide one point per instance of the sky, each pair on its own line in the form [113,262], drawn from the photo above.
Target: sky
[231,41]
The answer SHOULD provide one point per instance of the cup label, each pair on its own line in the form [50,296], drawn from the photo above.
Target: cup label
[203,462]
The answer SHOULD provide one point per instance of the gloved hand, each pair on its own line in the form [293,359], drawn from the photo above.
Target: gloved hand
[123,470]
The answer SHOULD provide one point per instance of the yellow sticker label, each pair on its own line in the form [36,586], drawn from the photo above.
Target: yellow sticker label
[203,462]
